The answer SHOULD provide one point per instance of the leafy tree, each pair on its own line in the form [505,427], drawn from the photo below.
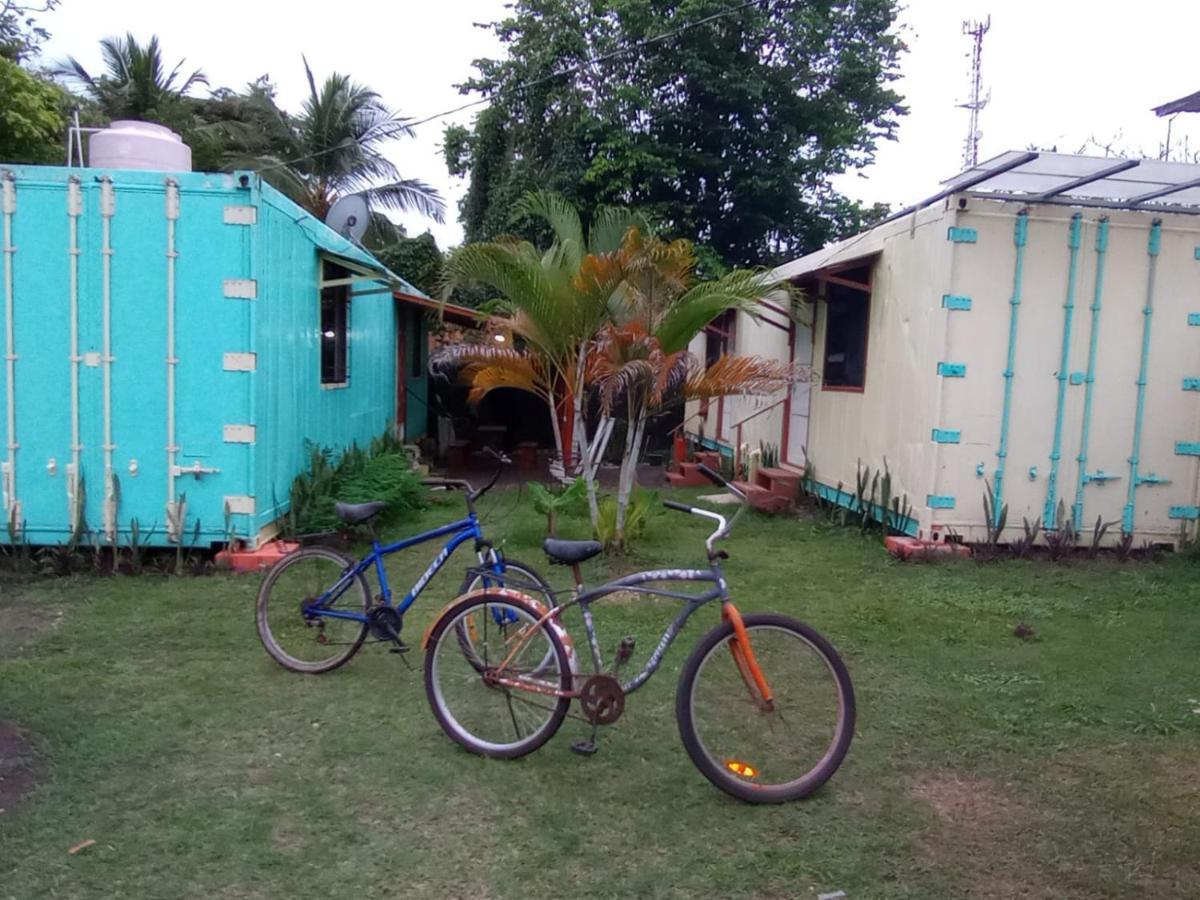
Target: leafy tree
[724,123]
[20,34]
[417,259]
[31,122]
[136,83]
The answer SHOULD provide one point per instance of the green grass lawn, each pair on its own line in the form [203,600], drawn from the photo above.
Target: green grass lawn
[984,765]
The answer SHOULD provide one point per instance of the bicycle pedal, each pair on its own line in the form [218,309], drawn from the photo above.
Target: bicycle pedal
[584,748]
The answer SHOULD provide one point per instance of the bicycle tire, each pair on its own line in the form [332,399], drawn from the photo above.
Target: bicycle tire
[265,634]
[449,721]
[717,770]
[528,573]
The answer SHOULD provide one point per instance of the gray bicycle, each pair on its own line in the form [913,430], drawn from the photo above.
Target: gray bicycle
[764,704]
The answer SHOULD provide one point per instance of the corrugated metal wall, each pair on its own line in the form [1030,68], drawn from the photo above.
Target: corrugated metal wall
[292,409]
[1113,255]
[943,323]
[122,255]
[246,356]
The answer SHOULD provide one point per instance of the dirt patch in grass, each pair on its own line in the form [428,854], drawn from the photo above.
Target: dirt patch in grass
[25,622]
[19,769]
[1179,777]
[980,832]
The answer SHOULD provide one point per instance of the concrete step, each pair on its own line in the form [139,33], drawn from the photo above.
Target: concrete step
[685,479]
[763,499]
[782,482]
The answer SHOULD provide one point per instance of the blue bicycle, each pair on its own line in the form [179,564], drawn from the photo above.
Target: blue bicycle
[315,608]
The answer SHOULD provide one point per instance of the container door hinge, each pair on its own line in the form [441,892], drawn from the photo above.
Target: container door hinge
[1099,476]
[1184,512]
[939,501]
[962,235]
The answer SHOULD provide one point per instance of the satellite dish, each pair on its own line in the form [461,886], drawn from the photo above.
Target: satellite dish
[349,217]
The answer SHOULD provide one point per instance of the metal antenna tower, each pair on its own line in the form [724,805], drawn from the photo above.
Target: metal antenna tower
[975,30]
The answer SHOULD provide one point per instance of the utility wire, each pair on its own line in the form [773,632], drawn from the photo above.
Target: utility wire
[570,70]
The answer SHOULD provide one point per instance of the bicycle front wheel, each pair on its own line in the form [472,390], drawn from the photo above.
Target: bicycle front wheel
[298,637]
[758,751]
[516,576]
[500,700]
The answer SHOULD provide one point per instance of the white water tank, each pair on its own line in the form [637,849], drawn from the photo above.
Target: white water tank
[127,144]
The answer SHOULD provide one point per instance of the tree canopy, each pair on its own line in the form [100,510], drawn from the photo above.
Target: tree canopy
[721,121]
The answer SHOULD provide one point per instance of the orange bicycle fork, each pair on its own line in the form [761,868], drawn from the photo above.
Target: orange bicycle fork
[744,659]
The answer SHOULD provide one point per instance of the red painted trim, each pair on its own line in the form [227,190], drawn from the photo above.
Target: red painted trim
[720,418]
[460,314]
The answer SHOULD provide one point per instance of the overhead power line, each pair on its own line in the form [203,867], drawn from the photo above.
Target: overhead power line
[570,70]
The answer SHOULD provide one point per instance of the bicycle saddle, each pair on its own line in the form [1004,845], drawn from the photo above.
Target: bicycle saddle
[570,552]
[354,513]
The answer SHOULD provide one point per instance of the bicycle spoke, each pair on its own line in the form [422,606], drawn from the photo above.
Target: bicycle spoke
[463,672]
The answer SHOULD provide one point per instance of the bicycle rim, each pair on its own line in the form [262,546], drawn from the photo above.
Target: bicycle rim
[496,720]
[311,642]
[518,577]
[770,754]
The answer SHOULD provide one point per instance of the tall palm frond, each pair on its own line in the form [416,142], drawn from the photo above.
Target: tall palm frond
[687,315]
[486,368]
[563,220]
[610,225]
[136,82]
[741,375]
[336,148]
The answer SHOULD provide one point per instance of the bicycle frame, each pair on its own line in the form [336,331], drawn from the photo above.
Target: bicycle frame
[461,531]
[636,583]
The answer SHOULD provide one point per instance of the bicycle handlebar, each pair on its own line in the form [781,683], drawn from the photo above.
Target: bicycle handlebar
[723,526]
[472,493]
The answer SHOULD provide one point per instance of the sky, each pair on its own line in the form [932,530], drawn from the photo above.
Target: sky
[1060,73]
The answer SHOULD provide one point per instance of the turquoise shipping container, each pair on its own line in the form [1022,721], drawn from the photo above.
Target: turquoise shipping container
[174,345]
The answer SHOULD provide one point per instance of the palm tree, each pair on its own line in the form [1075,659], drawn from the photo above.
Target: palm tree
[612,311]
[136,83]
[553,303]
[336,150]
[642,360]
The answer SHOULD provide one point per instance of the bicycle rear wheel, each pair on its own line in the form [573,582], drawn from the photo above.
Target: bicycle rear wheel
[308,641]
[766,752]
[485,717]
